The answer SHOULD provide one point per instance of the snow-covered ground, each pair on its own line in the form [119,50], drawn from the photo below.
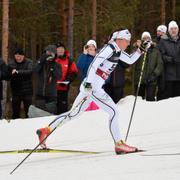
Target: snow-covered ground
[155,128]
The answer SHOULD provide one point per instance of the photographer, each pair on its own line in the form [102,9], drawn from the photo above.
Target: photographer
[152,70]
[47,71]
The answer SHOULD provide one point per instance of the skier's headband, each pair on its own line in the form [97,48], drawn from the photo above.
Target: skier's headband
[123,34]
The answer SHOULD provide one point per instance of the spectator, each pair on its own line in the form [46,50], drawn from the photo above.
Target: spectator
[161,32]
[152,69]
[69,72]
[170,50]
[86,58]
[20,74]
[47,71]
[3,76]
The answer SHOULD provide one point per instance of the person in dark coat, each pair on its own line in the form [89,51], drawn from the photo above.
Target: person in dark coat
[47,72]
[69,73]
[161,34]
[170,50]
[3,76]
[20,74]
[152,70]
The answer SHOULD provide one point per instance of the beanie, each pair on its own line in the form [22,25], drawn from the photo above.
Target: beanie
[172,24]
[60,44]
[145,34]
[18,51]
[92,42]
[51,48]
[162,28]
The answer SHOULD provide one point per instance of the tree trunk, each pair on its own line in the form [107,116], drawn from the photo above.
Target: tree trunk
[5,39]
[70,26]
[173,9]
[63,14]
[94,17]
[5,30]
[163,11]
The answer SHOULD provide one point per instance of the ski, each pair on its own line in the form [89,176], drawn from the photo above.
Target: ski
[48,151]
[20,151]
[138,151]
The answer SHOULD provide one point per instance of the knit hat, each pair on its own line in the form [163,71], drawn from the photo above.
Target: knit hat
[51,48]
[172,24]
[92,42]
[162,28]
[60,44]
[123,34]
[18,51]
[145,34]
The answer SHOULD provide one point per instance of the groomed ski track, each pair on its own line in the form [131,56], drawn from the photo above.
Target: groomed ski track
[155,128]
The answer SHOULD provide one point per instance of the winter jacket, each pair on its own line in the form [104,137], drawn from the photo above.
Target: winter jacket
[83,63]
[3,76]
[69,71]
[47,71]
[152,69]
[170,50]
[21,82]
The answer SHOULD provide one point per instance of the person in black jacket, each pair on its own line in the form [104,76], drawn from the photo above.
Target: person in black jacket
[170,51]
[3,76]
[48,72]
[20,74]
[153,68]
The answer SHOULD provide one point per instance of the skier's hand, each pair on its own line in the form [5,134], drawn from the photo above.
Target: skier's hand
[87,87]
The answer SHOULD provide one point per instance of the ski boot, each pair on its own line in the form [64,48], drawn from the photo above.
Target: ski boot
[42,134]
[122,148]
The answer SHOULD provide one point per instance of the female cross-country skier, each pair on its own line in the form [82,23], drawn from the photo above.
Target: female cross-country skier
[91,89]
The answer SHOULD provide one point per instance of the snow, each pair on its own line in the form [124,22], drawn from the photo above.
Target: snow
[155,128]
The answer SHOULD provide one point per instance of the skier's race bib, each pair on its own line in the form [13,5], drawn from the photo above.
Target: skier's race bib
[102,74]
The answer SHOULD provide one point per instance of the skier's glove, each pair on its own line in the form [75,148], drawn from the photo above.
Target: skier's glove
[87,87]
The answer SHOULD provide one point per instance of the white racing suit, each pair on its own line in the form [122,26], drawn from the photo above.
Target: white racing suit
[99,70]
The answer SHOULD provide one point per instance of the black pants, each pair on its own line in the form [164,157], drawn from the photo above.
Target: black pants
[172,89]
[147,92]
[62,101]
[16,105]
[116,93]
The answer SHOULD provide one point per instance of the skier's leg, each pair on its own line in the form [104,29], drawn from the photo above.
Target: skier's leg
[107,104]
[79,106]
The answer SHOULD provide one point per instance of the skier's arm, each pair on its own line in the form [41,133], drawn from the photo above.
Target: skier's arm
[105,53]
[129,59]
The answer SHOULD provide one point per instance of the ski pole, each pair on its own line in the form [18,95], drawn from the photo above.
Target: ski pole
[65,116]
[137,92]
